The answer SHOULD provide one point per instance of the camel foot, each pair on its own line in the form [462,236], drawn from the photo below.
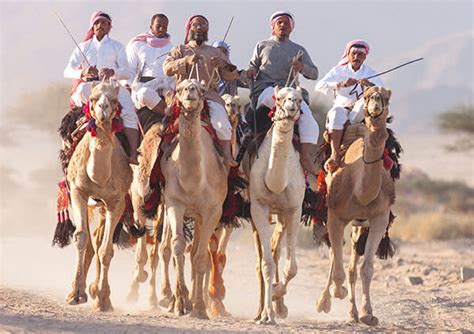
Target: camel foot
[103,305]
[199,312]
[339,292]
[217,309]
[93,290]
[166,301]
[75,298]
[324,303]
[179,306]
[369,319]
[265,319]
[279,290]
[142,276]
[153,301]
[280,308]
[258,316]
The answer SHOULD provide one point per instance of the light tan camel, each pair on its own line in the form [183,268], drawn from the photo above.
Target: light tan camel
[220,237]
[276,186]
[361,189]
[99,169]
[196,187]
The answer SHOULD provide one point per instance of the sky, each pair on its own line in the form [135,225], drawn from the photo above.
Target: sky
[35,46]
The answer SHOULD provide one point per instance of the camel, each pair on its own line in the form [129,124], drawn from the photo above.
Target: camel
[360,190]
[220,238]
[98,169]
[276,186]
[196,187]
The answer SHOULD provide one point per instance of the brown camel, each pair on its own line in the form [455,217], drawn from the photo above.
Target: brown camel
[196,186]
[276,186]
[363,190]
[99,169]
[221,236]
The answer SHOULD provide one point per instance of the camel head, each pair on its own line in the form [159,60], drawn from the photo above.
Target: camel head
[232,107]
[376,102]
[288,103]
[190,94]
[104,103]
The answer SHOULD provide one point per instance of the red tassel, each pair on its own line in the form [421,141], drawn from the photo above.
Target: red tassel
[387,161]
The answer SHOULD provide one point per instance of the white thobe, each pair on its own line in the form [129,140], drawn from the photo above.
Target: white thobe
[348,101]
[106,53]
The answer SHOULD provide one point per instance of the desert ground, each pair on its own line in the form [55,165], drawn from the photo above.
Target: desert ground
[35,280]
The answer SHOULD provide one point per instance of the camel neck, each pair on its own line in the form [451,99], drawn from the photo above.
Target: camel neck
[101,148]
[190,150]
[276,177]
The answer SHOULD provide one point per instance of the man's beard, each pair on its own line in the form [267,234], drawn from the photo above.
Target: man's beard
[199,38]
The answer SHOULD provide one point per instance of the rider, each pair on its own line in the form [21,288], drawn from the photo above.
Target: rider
[196,60]
[107,60]
[270,66]
[346,80]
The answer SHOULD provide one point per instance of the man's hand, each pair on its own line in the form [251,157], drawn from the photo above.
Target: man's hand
[218,62]
[193,59]
[251,73]
[297,65]
[90,72]
[106,73]
[366,83]
[347,83]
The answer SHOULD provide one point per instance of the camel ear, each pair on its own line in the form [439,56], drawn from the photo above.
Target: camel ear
[388,93]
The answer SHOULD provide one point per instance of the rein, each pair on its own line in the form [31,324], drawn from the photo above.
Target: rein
[370,162]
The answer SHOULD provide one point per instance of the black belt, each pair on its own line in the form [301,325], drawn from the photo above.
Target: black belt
[146,79]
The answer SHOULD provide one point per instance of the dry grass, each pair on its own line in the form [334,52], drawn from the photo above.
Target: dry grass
[433,226]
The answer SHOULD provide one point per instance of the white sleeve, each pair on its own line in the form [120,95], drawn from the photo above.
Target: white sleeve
[73,68]
[133,61]
[122,72]
[328,83]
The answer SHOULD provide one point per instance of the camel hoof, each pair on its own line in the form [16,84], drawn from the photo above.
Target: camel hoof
[217,309]
[153,302]
[142,276]
[339,293]
[266,321]
[76,298]
[279,290]
[105,306]
[199,314]
[280,308]
[369,320]
[324,303]
[93,290]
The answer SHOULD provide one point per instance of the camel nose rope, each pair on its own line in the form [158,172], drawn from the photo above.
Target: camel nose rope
[299,54]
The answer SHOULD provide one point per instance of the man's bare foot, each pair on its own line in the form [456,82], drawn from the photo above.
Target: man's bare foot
[230,162]
[307,164]
[332,164]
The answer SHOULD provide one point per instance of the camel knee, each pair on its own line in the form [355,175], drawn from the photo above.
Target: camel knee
[291,269]
[105,256]
[178,245]
[81,238]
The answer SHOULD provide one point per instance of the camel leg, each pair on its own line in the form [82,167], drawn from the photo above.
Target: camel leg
[200,259]
[352,273]
[175,216]
[278,302]
[81,238]
[260,217]
[218,258]
[139,275]
[166,299]
[377,229]
[261,283]
[105,254]
[291,220]
[89,255]
[154,258]
[98,237]
[324,301]
[336,236]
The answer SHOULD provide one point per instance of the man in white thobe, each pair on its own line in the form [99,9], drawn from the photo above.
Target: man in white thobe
[346,81]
